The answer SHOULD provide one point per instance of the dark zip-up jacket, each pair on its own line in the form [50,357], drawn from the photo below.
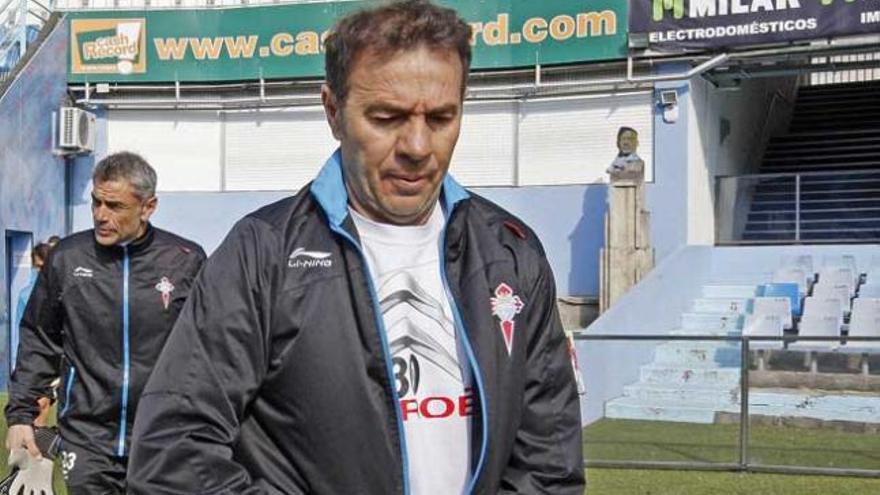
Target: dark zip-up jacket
[108,312]
[277,378]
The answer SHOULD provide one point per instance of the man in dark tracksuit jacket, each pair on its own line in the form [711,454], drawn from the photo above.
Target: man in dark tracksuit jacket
[275,380]
[284,373]
[106,301]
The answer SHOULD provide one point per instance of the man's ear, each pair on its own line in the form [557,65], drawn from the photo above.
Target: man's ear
[149,208]
[332,110]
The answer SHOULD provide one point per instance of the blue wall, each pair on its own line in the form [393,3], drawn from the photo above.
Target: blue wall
[31,178]
[667,196]
[568,219]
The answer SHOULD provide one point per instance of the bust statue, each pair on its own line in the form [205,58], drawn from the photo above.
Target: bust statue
[627,165]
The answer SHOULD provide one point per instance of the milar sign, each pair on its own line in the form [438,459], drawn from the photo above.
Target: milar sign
[675,24]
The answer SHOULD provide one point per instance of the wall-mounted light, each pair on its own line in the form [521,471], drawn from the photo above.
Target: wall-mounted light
[669,102]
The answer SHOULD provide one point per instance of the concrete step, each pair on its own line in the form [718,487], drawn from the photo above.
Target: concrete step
[680,375]
[722,290]
[629,408]
[720,305]
[709,397]
[711,323]
[827,407]
[690,354]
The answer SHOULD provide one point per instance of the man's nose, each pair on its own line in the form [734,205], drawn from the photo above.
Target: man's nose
[414,143]
[99,213]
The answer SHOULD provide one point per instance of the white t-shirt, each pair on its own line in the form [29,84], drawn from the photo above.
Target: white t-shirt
[436,399]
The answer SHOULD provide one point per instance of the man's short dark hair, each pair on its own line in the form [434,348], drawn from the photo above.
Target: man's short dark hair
[390,29]
[130,167]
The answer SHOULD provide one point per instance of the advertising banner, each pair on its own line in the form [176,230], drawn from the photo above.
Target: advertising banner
[286,41]
[677,24]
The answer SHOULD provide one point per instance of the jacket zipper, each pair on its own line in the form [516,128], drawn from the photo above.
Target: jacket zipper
[389,367]
[126,364]
[475,366]
[71,375]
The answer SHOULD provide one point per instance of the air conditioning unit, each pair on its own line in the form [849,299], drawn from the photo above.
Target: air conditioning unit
[76,130]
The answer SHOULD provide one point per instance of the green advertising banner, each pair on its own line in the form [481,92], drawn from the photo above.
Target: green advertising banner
[285,41]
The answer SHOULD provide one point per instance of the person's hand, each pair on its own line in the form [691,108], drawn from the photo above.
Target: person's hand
[34,476]
[22,436]
[43,418]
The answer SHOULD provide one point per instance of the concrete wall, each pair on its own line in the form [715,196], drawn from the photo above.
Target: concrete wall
[568,220]
[667,196]
[31,178]
[727,135]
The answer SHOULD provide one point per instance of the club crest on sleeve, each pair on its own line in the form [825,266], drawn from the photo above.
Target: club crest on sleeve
[165,287]
[506,305]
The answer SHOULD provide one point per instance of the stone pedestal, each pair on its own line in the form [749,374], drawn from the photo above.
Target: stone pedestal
[627,255]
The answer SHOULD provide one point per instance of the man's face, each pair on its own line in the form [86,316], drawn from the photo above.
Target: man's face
[119,214]
[398,128]
[628,142]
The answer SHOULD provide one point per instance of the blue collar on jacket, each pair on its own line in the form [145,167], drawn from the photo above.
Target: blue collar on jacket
[330,192]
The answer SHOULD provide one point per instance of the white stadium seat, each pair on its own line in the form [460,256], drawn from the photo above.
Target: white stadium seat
[802,261]
[778,306]
[839,276]
[840,261]
[823,306]
[793,276]
[865,307]
[764,325]
[840,292]
[818,326]
[866,326]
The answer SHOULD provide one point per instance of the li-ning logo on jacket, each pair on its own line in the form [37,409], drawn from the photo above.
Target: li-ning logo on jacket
[82,272]
[300,258]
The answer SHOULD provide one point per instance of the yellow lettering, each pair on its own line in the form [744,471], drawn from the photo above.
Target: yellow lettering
[281,44]
[596,21]
[495,33]
[206,47]
[170,48]
[562,27]
[89,51]
[307,43]
[535,30]
[241,46]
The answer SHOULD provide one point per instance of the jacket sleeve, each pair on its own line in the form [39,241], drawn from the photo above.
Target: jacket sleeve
[209,371]
[39,349]
[547,453]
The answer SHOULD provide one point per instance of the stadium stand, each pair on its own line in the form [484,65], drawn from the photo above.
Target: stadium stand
[834,143]
[683,370]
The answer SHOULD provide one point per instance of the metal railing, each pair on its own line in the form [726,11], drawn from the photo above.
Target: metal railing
[772,208]
[20,23]
[743,463]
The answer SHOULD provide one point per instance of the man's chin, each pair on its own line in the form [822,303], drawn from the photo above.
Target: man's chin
[105,240]
[408,213]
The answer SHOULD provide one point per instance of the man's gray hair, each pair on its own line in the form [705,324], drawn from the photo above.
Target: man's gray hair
[130,167]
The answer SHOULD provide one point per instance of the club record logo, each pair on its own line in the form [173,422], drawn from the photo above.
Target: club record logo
[108,46]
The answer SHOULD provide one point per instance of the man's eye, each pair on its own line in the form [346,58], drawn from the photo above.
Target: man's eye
[440,119]
[384,118]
